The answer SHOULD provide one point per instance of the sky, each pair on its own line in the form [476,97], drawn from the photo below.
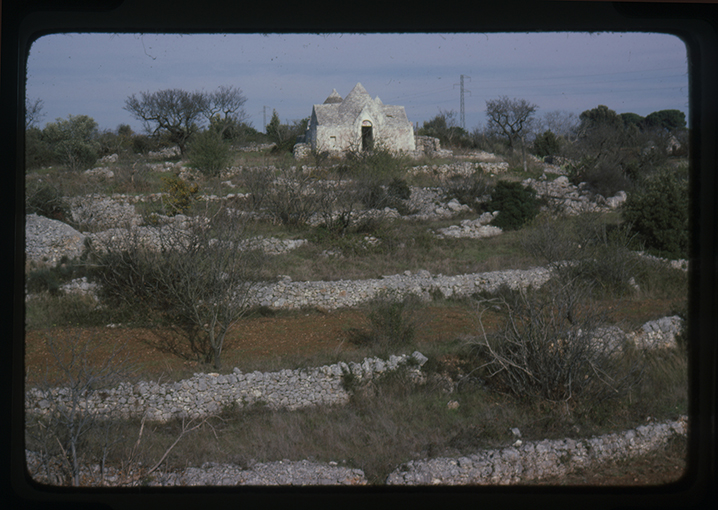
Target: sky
[93,74]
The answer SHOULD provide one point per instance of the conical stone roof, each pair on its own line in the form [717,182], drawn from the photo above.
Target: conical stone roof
[356,100]
[333,98]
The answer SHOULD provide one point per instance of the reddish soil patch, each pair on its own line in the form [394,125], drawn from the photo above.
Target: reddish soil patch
[159,353]
[259,339]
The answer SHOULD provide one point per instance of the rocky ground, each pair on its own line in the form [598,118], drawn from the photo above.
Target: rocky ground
[99,217]
[49,241]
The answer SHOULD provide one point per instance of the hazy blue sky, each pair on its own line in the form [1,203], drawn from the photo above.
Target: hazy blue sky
[93,74]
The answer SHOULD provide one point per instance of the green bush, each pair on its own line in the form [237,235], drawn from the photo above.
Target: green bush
[180,195]
[467,189]
[658,212]
[546,144]
[516,203]
[393,320]
[398,189]
[46,200]
[74,141]
[39,152]
[209,153]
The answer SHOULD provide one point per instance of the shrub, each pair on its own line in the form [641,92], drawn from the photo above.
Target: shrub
[49,279]
[392,318]
[142,144]
[200,281]
[74,141]
[516,203]
[375,196]
[604,178]
[379,165]
[546,144]
[209,153]
[588,249]
[38,151]
[398,189]
[658,212]
[469,189]
[257,183]
[180,195]
[46,200]
[44,311]
[289,198]
[551,240]
[550,348]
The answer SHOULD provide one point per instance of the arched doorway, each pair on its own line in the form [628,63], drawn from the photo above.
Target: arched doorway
[367,135]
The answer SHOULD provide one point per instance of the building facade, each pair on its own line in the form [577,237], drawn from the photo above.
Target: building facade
[358,122]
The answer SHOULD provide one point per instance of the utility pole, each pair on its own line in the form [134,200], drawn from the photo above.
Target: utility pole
[462,110]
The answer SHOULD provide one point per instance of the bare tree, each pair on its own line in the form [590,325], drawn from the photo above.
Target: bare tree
[213,272]
[33,112]
[174,111]
[226,106]
[561,123]
[512,118]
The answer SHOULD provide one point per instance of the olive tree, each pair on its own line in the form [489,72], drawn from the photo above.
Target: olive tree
[224,109]
[173,111]
[512,118]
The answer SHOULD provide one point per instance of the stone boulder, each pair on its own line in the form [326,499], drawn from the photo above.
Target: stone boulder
[566,198]
[48,240]
[659,334]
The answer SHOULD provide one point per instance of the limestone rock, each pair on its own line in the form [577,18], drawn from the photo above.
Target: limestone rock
[48,240]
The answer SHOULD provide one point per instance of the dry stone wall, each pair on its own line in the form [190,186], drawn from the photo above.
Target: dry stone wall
[532,460]
[208,394]
[567,198]
[287,294]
